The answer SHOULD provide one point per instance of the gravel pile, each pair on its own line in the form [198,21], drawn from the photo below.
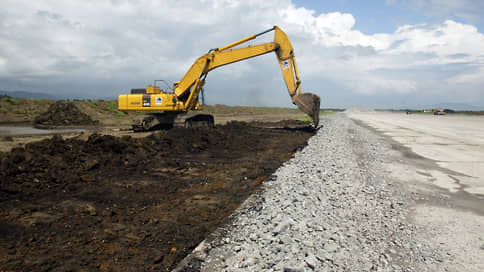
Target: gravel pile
[330,208]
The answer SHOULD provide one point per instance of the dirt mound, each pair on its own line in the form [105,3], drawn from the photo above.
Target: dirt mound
[106,203]
[282,124]
[63,113]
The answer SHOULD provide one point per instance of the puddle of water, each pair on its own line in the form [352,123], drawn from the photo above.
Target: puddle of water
[25,131]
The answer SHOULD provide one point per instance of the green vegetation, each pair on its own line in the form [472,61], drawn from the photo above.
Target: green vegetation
[120,113]
[43,102]
[19,111]
[326,112]
[92,104]
[112,107]
[11,100]
[102,106]
[4,97]
[306,118]
[22,109]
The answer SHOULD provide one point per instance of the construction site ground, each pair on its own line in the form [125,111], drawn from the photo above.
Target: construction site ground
[372,191]
[111,200]
[108,199]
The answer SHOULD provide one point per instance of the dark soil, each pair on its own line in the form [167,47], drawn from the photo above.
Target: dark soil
[104,203]
[63,113]
[284,124]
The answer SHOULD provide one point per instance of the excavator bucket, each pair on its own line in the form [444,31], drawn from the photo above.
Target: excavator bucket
[309,104]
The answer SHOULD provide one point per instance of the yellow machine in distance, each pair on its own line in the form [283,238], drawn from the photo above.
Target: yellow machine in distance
[173,108]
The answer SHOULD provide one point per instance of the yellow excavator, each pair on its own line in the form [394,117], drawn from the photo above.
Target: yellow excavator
[178,107]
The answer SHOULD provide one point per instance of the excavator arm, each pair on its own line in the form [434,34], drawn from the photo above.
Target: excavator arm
[189,86]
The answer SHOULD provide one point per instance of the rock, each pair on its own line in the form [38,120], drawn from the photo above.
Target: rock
[311,261]
[331,246]
[249,261]
[282,226]
[91,164]
[293,269]
[158,259]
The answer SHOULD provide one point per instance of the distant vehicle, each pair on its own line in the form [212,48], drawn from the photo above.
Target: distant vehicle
[442,111]
[438,112]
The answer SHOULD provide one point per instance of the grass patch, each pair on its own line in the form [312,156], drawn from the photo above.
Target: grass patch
[305,118]
[120,113]
[19,111]
[322,113]
[43,102]
[103,107]
[15,101]
[112,105]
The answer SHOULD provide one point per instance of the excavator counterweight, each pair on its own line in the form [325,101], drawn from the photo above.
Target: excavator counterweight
[172,108]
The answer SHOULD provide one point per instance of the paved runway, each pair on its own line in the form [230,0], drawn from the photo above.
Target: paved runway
[454,142]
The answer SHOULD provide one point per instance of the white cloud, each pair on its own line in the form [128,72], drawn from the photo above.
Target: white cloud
[330,29]
[448,38]
[390,63]
[476,78]
[117,43]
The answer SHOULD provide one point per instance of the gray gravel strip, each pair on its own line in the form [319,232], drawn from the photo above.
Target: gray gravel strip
[330,208]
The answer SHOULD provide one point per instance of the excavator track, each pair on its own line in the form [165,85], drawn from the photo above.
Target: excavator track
[194,119]
[154,121]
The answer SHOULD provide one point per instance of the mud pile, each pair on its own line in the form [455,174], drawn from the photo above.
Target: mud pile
[63,113]
[285,124]
[106,203]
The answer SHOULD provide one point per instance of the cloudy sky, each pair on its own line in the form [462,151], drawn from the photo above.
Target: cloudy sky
[387,53]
